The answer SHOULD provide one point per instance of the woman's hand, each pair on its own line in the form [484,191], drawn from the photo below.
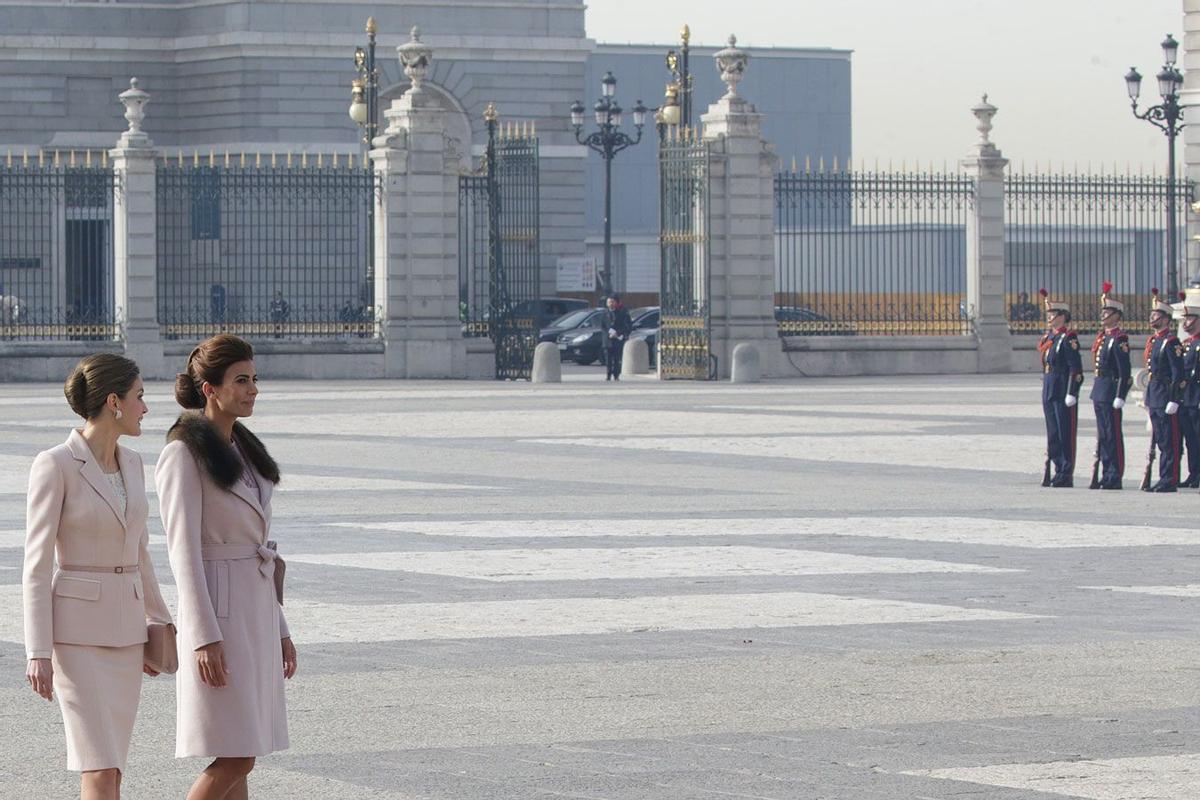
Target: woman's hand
[210,661]
[149,670]
[289,657]
[40,674]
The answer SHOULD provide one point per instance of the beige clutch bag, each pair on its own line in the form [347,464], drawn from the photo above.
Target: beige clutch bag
[161,653]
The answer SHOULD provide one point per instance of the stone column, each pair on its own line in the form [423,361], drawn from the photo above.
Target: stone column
[742,223]
[134,231]
[1189,98]
[416,232]
[985,248]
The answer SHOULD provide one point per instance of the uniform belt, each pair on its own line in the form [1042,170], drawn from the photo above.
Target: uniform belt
[240,552]
[117,570]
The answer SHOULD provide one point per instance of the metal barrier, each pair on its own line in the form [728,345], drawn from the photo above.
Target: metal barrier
[871,253]
[266,246]
[1070,233]
[56,247]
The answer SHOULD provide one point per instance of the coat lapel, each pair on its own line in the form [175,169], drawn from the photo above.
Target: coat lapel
[248,494]
[90,470]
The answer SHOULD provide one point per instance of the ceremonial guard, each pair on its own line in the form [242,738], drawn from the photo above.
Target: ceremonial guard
[1189,407]
[1112,382]
[1164,360]
[1062,378]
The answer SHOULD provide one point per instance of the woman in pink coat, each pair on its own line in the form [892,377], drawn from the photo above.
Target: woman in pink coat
[215,481]
[85,622]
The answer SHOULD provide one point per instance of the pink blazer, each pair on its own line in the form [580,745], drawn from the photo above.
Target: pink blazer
[74,517]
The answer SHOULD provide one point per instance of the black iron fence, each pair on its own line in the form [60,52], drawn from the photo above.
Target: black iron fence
[56,247]
[871,253]
[266,246]
[1071,233]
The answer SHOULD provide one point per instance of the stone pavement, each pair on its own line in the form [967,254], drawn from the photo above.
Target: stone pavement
[850,589]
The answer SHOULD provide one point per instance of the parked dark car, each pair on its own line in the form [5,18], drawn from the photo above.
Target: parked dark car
[569,322]
[645,326]
[802,321]
[551,308]
[585,345]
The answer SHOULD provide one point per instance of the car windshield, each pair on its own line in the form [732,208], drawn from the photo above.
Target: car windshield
[570,319]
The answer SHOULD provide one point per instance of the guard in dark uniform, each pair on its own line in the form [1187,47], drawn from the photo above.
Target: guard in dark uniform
[1164,360]
[1189,406]
[1062,377]
[1112,382]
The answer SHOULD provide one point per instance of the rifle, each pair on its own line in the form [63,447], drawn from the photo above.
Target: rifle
[1149,464]
[1095,484]
[1046,470]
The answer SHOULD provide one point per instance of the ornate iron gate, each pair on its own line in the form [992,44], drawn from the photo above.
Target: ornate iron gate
[684,349]
[499,248]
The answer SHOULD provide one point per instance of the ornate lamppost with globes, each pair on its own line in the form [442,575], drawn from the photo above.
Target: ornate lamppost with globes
[608,140]
[679,65]
[364,90]
[1168,117]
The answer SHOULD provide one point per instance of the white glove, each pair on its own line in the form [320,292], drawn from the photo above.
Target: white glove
[1172,407]
[612,333]
[1072,400]
[1118,403]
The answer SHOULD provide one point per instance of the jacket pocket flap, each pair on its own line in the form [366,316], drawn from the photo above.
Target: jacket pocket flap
[79,588]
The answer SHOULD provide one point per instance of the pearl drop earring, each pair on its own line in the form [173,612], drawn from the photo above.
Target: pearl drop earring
[119,414]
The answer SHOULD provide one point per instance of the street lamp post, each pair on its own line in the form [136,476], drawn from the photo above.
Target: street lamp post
[1168,117]
[364,90]
[679,65]
[364,110]
[607,140]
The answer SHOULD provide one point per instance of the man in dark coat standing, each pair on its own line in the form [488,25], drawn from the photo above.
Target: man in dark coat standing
[1189,408]
[617,327]
[1164,392]
[1062,378]
[1114,378]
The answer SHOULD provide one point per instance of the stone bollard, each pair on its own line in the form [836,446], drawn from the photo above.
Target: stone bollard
[547,364]
[635,358]
[747,364]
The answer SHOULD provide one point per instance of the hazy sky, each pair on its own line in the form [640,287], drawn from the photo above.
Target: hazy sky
[1055,68]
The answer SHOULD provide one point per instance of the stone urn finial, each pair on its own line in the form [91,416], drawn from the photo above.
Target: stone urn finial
[731,63]
[415,56]
[984,113]
[135,101]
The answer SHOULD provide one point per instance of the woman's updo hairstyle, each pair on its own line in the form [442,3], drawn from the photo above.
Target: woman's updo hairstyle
[96,377]
[208,362]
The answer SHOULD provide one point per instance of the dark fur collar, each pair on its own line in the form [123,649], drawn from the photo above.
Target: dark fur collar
[217,457]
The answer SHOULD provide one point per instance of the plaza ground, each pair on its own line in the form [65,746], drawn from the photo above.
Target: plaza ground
[850,588]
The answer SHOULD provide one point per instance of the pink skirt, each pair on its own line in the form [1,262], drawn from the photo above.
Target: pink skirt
[98,689]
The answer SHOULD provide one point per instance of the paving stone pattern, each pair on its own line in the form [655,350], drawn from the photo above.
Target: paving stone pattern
[850,589]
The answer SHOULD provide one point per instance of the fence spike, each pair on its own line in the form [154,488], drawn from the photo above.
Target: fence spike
[87,158]
[821,164]
[57,158]
[274,162]
[226,158]
[835,164]
[350,161]
[289,160]
[71,158]
[533,128]
[242,159]
[212,158]
[320,160]
[24,158]
[793,165]
[333,158]
[195,157]
[104,158]
[8,159]
[41,158]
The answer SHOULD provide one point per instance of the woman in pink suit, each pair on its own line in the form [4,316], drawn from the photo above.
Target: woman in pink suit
[85,622]
[215,481]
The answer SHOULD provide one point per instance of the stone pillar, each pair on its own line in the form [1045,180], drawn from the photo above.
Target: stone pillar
[1189,98]
[134,230]
[416,232]
[742,223]
[985,248]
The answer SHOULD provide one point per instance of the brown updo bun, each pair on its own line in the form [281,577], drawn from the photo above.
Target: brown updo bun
[208,362]
[96,377]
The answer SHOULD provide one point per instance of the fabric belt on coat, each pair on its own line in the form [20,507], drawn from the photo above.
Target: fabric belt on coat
[117,570]
[239,552]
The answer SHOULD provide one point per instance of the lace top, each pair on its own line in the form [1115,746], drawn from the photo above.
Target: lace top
[118,486]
